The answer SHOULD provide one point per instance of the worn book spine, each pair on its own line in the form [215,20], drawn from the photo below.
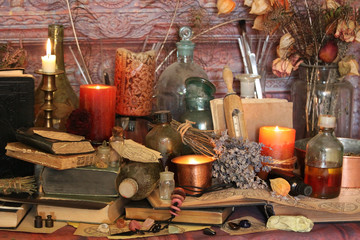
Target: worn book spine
[35,141]
[84,181]
[141,210]
[53,146]
[60,162]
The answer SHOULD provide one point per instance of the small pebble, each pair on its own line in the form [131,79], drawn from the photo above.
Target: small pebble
[120,223]
[104,228]
[173,229]
[245,223]
[233,226]
[209,232]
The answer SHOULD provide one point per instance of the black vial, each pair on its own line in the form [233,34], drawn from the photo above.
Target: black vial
[38,222]
[298,187]
[49,222]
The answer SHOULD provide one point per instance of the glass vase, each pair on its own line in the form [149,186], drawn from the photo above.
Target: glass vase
[65,99]
[320,91]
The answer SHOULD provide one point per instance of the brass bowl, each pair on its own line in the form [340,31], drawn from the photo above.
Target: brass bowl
[351,164]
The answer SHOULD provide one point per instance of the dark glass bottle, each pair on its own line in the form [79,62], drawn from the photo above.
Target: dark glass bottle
[164,138]
[65,99]
[298,187]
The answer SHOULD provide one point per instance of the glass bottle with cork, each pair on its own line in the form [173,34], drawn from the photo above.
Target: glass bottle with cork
[166,185]
[103,156]
[116,141]
[170,89]
[323,160]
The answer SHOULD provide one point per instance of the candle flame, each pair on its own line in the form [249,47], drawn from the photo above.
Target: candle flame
[48,47]
[277,128]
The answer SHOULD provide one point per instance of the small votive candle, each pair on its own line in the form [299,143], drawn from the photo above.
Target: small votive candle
[279,142]
[48,61]
[194,171]
[99,101]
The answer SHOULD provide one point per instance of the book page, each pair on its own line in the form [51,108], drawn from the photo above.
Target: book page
[135,151]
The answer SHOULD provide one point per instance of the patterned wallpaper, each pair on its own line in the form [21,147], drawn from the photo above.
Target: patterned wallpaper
[103,26]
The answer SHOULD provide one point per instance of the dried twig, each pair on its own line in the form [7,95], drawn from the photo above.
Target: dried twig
[167,34]
[196,36]
[77,43]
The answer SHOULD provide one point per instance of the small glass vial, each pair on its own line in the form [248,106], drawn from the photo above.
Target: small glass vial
[247,85]
[323,160]
[116,141]
[103,155]
[167,184]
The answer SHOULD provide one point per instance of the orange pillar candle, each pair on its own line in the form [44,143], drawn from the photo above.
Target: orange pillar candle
[279,142]
[99,101]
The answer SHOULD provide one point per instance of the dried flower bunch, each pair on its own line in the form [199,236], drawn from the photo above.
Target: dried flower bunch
[315,32]
[11,57]
[238,162]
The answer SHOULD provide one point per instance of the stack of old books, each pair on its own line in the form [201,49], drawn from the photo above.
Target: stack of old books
[70,188]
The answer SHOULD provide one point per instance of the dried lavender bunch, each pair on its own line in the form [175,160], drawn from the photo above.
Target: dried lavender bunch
[238,161]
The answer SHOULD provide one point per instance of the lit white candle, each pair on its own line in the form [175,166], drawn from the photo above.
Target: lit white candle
[48,61]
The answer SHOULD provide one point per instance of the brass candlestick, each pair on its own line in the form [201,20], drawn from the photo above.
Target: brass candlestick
[49,87]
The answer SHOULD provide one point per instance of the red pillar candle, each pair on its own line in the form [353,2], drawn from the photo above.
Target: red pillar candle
[99,101]
[279,142]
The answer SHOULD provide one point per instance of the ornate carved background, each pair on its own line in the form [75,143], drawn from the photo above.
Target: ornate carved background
[105,25]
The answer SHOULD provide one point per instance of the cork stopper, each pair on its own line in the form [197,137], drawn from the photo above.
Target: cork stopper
[327,121]
[128,188]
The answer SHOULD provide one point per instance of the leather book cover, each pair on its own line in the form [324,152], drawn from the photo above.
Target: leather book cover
[85,181]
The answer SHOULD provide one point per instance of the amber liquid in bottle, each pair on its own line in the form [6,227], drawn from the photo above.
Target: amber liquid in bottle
[325,182]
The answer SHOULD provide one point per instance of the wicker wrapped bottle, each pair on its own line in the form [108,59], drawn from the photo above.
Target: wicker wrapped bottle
[65,98]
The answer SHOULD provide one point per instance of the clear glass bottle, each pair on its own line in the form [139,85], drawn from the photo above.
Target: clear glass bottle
[102,155]
[167,184]
[65,98]
[170,88]
[116,141]
[163,138]
[323,160]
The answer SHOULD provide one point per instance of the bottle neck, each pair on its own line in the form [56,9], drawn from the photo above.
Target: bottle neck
[185,59]
[56,35]
[326,131]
